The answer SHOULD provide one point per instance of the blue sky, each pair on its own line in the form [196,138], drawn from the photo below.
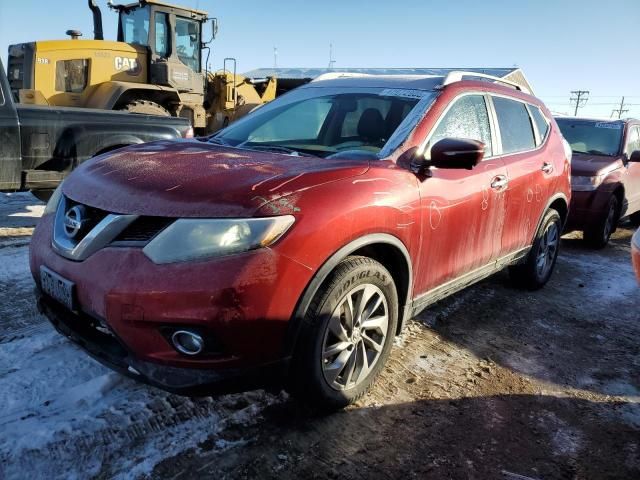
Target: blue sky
[561,45]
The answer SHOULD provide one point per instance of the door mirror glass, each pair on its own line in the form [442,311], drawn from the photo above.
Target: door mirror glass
[459,153]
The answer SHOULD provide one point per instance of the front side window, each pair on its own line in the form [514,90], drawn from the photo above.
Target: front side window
[467,118]
[135,26]
[188,42]
[516,130]
[162,34]
[72,75]
[591,136]
[633,143]
[329,121]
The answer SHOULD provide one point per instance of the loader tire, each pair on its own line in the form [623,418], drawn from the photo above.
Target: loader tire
[145,107]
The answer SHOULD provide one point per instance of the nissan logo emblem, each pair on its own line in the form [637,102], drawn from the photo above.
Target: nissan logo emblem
[73,220]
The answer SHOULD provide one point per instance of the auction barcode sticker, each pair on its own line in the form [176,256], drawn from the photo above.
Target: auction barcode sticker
[403,92]
[614,126]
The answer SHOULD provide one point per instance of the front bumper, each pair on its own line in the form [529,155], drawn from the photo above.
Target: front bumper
[102,344]
[243,302]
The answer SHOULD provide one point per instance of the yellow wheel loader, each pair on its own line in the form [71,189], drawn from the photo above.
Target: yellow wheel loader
[155,67]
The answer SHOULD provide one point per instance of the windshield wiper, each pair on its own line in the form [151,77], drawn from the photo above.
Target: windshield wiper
[276,148]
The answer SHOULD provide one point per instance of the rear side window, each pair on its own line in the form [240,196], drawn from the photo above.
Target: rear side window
[467,118]
[72,75]
[515,125]
[541,122]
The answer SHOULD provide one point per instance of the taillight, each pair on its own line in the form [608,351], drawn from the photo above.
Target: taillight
[189,133]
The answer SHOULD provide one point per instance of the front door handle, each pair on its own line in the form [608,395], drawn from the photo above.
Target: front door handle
[547,167]
[499,182]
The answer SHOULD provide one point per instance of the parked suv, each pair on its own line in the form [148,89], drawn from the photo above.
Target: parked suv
[298,242]
[605,175]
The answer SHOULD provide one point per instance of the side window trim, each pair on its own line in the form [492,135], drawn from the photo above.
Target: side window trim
[425,143]
[496,137]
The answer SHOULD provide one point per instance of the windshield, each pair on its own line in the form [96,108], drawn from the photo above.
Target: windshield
[325,121]
[592,137]
[135,26]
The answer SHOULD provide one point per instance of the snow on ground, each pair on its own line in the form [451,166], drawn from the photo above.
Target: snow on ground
[64,415]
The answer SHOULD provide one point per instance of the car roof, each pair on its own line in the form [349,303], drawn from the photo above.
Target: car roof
[416,82]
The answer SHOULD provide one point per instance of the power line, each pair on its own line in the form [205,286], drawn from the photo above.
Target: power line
[620,110]
[580,97]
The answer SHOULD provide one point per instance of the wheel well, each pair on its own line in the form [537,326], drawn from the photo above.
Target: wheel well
[394,261]
[562,208]
[619,194]
[164,99]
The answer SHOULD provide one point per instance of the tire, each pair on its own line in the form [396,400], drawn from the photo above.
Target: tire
[634,218]
[536,271]
[145,107]
[598,235]
[328,368]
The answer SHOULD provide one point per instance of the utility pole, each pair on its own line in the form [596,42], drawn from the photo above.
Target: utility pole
[332,62]
[620,110]
[275,57]
[580,97]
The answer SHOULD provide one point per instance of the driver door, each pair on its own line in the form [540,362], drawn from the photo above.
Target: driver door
[462,210]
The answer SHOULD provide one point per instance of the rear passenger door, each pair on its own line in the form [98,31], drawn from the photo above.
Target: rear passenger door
[462,210]
[521,144]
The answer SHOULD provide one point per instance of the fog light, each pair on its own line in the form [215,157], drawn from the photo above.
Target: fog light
[187,342]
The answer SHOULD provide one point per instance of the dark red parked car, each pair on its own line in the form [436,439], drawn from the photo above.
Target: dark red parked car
[298,241]
[605,175]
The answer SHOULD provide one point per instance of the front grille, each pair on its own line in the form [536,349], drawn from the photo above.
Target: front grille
[94,217]
[143,229]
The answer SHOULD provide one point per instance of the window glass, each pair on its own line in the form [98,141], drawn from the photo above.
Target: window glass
[633,142]
[541,122]
[515,125]
[188,42]
[301,122]
[352,119]
[135,26]
[162,37]
[467,118]
[592,137]
[72,75]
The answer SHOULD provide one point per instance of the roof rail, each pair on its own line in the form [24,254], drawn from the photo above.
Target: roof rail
[333,75]
[458,75]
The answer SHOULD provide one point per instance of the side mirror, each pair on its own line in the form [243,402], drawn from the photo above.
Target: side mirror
[456,153]
[635,156]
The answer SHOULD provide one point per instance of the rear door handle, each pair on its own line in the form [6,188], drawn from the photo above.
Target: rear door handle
[499,182]
[547,167]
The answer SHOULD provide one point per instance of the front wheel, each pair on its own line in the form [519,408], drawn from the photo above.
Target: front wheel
[597,236]
[535,272]
[346,336]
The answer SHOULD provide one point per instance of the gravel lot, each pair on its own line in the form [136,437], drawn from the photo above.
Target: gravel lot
[490,383]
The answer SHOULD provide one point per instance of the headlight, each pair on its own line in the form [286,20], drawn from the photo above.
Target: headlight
[52,204]
[586,184]
[192,239]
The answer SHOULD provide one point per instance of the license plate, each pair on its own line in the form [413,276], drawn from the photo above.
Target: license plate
[57,287]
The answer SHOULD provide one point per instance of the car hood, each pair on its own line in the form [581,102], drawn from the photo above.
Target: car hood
[194,179]
[592,165]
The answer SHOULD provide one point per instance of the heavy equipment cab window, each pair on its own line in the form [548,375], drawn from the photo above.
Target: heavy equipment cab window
[188,42]
[72,75]
[516,130]
[467,118]
[135,26]
[162,34]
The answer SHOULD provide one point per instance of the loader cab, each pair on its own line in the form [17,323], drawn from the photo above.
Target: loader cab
[173,37]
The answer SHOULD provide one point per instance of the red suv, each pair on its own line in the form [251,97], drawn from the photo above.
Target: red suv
[605,175]
[297,242]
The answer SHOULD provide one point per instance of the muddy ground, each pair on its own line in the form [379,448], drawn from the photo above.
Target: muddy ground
[492,382]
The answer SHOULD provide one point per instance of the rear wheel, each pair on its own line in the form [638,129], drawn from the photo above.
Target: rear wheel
[598,235]
[346,336]
[535,272]
[145,107]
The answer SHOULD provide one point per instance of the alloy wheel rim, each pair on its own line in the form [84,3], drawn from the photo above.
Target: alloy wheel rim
[547,250]
[355,337]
